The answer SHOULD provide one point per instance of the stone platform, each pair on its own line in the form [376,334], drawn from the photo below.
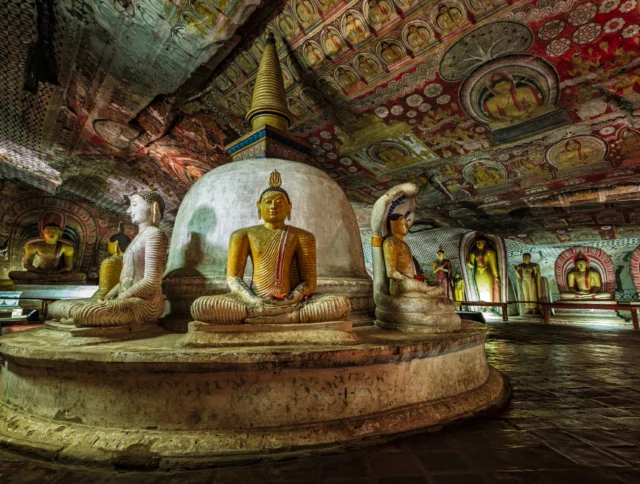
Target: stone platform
[152,402]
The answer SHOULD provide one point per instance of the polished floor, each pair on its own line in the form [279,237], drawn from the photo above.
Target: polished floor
[574,418]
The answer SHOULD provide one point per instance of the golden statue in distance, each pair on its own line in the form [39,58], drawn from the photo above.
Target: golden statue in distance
[484,261]
[111,267]
[529,283]
[48,259]
[284,273]
[584,282]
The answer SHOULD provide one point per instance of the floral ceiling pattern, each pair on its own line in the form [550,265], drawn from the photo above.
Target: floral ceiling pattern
[517,117]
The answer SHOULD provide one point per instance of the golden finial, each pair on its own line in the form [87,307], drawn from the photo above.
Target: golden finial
[269,104]
[275,180]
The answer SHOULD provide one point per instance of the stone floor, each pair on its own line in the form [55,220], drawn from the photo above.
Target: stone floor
[574,418]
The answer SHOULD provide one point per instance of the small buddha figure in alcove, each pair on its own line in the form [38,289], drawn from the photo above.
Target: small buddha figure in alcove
[48,258]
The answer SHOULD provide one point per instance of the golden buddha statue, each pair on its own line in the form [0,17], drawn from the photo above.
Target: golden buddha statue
[529,283]
[48,259]
[137,298]
[484,262]
[111,267]
[284,273]
[404,302]
[398,260]
[458,287]
[583,282]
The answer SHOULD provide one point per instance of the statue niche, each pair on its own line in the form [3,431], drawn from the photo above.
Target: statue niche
[485,269]
[49,258]
[280,301]
[583,281]
[403,301]
[137,299]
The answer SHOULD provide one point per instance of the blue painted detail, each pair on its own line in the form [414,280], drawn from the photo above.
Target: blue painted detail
[266,133]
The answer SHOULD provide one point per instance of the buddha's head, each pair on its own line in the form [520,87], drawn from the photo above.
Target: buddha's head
[119,242]
[526,258]
[274,205]
[51,233]
[145,207]
[501,83]
[440,254]
[481,243]
[443,9]
[582,264]
[399,225]
[350,18]
[572,145]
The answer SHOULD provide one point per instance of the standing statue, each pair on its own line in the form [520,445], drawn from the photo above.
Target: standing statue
[137,298]
[48,259]
[442,272]
[111,267]
[584,282]
[483,261]
[403,302]
[529,283]
[458,287]
[284,273]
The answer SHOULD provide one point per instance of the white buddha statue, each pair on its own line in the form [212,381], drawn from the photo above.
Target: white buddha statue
[137,298]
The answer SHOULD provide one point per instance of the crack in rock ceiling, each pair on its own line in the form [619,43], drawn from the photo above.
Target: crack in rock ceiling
[516,117]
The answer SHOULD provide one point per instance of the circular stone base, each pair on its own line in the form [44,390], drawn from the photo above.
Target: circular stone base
[152,404]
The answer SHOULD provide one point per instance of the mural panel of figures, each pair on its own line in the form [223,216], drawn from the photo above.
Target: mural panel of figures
[354,27]
[379,12]
[332,42]
[391,52]
[417,36]
[368,65]
[449,17]
[507,93]
[484,173]
[577,152]
[392,154]
[312,54]
[288,25]
[306,13]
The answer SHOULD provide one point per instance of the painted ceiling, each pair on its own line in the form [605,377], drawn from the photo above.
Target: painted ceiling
[515,117]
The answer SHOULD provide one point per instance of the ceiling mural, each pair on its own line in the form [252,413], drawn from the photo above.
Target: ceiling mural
[517,116]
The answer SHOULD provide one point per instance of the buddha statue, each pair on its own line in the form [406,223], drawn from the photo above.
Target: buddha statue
[284,273]
[137,298]
[111,267]
[458,287]
[483,260]
[529,283]
[404,302]
[441,269]
[48,259]
[583,282]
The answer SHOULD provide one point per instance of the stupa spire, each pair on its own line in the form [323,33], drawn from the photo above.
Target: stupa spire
[269,103]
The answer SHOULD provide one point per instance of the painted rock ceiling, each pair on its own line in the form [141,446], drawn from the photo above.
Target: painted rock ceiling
[515,117]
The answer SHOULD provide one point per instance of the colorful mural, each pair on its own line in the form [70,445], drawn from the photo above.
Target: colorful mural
[499,109]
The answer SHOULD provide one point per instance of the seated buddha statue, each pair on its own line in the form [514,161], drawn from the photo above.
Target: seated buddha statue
[137,298]
[403,300]
[49,258]
[284,273]
[111,267]
[584,282]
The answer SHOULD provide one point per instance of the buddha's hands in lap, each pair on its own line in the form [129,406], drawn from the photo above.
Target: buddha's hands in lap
[272,311]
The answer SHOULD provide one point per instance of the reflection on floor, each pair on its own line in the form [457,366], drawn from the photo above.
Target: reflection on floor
[575,418]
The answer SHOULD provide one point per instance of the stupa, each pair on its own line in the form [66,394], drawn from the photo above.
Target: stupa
[158,403]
